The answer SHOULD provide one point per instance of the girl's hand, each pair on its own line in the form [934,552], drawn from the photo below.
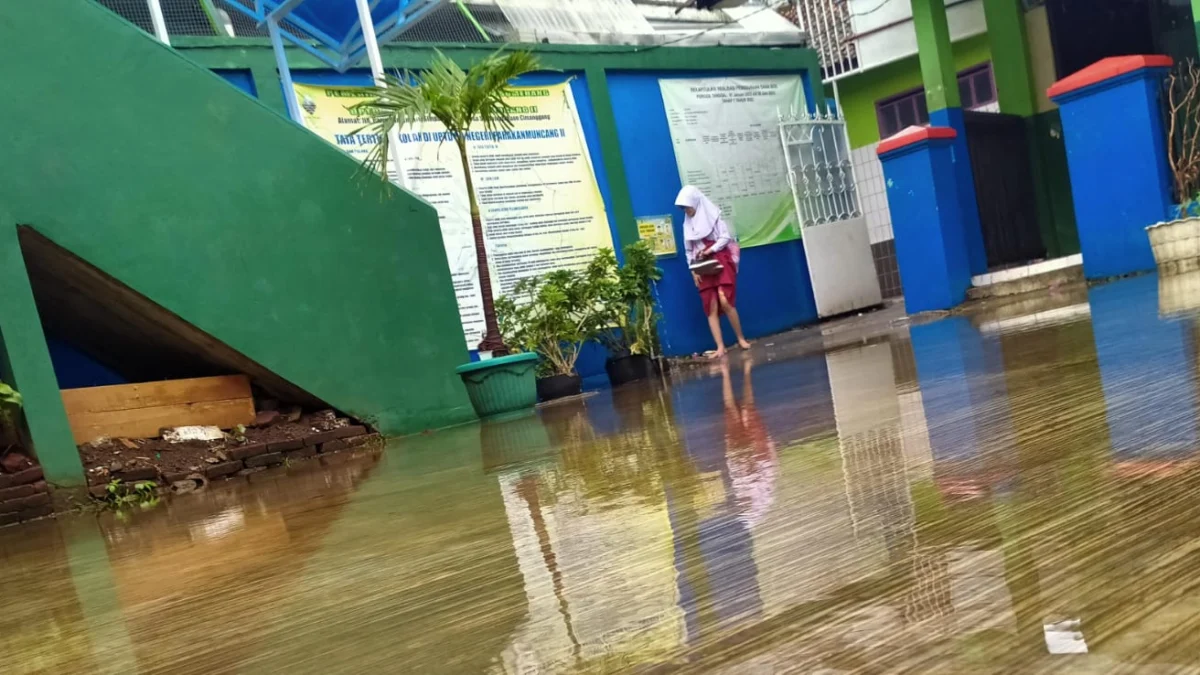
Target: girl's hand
[696,278]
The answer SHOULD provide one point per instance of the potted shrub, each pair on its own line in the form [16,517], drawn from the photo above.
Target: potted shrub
[460,99]
[1176,243]
[552,315]
[631,335]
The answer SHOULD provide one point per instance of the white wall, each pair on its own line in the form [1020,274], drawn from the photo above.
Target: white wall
[900,40]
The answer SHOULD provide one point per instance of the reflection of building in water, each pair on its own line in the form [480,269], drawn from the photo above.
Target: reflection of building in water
[872,442]
[867,410]
[598,573]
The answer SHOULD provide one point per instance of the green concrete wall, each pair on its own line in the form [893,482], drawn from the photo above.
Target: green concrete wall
[859,93]
[209,203]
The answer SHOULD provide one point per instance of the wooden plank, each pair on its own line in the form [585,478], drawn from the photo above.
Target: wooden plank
[152,394]
[147,422]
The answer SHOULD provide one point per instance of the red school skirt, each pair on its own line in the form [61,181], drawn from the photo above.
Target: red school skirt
[726,282]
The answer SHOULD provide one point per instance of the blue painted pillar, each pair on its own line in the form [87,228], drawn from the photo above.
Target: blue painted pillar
[963,391]
[1117,157]
[965,179]
[1146,372]
[923,195]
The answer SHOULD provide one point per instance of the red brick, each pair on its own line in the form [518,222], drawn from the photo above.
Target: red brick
[23,503]
[265,460]
[37,512]
[281,446]
[17,492]
[223,469]
[248,451]
[360,441]
[135,475]
[30,475]
[322,437]
[302,453]
[333,446]
[176,476]
[348,431]
[9,519]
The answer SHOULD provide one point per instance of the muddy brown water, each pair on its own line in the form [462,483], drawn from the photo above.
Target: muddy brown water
[1016,490]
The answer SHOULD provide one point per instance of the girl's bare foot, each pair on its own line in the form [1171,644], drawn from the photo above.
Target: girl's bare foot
[744,344]
[718,355]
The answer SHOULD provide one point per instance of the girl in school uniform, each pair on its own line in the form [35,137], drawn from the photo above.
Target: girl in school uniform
[707,236]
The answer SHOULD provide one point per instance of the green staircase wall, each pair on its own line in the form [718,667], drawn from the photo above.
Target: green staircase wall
[162,175]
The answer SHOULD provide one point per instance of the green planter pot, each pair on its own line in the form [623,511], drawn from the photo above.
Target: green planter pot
[502,385]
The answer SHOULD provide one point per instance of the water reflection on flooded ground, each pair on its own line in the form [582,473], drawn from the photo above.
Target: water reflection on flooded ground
[1012,490]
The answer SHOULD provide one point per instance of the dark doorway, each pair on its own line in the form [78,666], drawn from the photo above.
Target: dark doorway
[1004,190]
[1084,31]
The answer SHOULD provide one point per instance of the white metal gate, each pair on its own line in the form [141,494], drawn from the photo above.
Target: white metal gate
[834,230]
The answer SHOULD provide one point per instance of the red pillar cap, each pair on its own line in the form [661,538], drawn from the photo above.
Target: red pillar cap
[913,135]
[1107,69]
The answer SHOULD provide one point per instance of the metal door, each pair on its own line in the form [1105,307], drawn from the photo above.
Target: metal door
[832,224]
[1004,190]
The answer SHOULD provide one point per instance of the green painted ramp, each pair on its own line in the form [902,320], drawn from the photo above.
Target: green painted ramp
[215,209]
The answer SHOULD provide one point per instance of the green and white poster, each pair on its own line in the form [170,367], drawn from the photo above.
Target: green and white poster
[726,136]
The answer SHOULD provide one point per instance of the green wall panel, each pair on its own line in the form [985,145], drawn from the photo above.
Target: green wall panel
[858,93]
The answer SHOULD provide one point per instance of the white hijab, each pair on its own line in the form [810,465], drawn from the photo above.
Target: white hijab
[701,225]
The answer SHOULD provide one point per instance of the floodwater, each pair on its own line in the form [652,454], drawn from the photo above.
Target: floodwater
[1012,491]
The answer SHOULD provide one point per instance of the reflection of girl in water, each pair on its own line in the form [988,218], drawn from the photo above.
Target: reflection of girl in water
[749,450]
[723,484]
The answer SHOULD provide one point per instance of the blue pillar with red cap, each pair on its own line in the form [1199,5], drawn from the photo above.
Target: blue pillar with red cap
[1112,119]
[922,177]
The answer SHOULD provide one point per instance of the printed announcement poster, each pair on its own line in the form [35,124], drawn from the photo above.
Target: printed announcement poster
[726,136]
[539,199]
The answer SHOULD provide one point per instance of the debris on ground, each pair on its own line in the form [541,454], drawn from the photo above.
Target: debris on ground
[181,434]
[184,459]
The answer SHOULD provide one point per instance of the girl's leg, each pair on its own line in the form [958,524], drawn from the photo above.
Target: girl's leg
[714,324]
[734,320]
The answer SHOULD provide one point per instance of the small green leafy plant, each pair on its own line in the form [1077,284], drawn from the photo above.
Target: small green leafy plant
[553,315]
[627,293]
[10,403]
[119,494]
[9,397]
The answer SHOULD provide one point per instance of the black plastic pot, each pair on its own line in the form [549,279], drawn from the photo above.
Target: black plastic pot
[629,368]
[558,386]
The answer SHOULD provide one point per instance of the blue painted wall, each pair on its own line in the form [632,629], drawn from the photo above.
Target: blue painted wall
[75,370]
[774,291]
[242,79]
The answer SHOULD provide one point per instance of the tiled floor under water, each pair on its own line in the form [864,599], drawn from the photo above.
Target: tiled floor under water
[1015,490]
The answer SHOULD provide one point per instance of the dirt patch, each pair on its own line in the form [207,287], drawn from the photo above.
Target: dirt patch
[292,437]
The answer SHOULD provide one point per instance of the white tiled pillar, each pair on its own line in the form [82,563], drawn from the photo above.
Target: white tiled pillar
[868,173]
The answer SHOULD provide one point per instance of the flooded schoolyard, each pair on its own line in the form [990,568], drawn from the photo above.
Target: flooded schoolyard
[1015,489]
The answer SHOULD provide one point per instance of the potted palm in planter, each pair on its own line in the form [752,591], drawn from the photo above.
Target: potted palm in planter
[631,335]
[553,316]
[459,100]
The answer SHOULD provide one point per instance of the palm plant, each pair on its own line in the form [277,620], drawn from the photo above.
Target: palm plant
[458,99]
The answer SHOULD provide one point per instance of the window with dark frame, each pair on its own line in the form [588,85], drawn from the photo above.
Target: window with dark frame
[976,88]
